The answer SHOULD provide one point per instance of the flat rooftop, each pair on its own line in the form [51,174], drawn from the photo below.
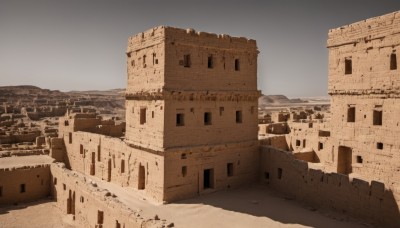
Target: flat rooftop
[21,161]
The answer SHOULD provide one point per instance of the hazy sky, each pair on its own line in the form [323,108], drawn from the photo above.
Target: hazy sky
[80,44]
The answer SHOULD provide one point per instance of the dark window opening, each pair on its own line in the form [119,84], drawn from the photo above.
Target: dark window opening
[152,114]
[81,149]
[297,142]
[229,169]
[359,159]
[1,191]
[98,153]
[22,188]
[237,65]
[133,63]
[186,61]
[70,137]
[351,114]
[154,58]
[304,143]
[142,115]
[266,175]
[122,166]
[238,116]
[279,173]
[180,119]
[184,171]
[64,187]
[144,61]
[377,117]
[66,123]
[117,224]
[100,217]
[348,66]
[320,146]
[183,156]
[393,62]
[208,180]
[207,118]
[55,180]
[210,62]
[310,125]
[379,146]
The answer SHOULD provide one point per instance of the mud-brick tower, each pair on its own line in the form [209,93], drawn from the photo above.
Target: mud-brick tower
[364,83]
[192,98]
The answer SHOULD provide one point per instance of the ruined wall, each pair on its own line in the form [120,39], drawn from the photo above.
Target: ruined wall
[356,197]
[230,166]
[24,184]
[111,159]
[92,206]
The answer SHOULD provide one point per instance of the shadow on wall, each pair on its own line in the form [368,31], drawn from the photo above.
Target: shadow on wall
[262,202]
[354,197]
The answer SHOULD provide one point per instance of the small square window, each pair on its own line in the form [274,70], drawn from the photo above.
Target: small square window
[238,116]
[320,146]
[297,142]
[379,146]
[359,159]
[210,62]
[237,65]
[207,118]
[180,119]
[186,61]
[229,169]
[377,117]
[22,188]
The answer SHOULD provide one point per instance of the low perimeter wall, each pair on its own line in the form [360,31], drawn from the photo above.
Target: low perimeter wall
[355,197]
[90,205]
[24,184]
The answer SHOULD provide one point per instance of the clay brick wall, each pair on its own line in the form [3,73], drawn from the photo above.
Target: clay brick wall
[184,169]
[111,159]
[82,198]
[295,178]
[24,184]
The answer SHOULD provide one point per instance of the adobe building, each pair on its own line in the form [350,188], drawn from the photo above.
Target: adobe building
[191,117]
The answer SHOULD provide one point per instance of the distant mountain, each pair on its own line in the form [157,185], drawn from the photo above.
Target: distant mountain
[278,99]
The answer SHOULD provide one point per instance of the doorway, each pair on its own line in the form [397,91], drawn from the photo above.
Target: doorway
[142,178]
[344,160]
[208,178]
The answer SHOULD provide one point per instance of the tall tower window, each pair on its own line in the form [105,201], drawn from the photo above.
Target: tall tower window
[207,118]
[237,64]
[377,117]
[180,119]
[210,62]
[186,61]
[351,114]
[238,116]
[393,61]
[142,115]
[348,66]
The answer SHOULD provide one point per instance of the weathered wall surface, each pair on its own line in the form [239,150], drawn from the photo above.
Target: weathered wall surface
[231,165]
[91,205]
[364,80]
[24,184]
[111,159]
[356,197]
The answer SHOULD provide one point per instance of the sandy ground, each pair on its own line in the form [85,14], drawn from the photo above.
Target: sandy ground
[40,214]
[253,206]
[10,162]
